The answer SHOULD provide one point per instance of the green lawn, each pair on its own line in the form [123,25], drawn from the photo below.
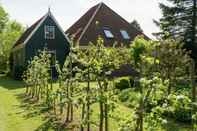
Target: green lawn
[18,113]
[13,116]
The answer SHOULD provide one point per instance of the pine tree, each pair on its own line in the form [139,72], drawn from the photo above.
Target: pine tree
[136,25]
[179,22]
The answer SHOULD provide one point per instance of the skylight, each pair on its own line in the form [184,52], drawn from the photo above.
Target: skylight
[124,34]
[108,33]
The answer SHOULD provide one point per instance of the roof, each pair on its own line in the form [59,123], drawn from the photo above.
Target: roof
[85,29]
[125,70]
[28,31]
[31,30]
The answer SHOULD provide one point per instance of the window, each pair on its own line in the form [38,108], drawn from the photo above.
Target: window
[108,33]
[124,34]
[49,32]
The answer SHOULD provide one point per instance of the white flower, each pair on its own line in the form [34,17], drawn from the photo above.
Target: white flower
[180,97]
[164,121]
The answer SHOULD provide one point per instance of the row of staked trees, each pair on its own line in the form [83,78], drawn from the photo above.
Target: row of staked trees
[85,81]
[163,65]
[83,69]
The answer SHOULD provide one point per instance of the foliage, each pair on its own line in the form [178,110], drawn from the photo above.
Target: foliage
[170,66]
[9,32]
[179,22]
[129,97]
[85,80]
[3,18]
[160,69]
[37,77]
[179,107]
[136,25]
[99,62]
[123,83]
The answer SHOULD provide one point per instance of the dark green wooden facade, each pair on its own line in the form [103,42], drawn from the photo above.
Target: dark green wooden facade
[34,40]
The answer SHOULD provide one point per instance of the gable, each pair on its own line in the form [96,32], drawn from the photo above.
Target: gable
[38,39]
[106,18]
[32,30]
[77,28]
[37,42]
[27,33]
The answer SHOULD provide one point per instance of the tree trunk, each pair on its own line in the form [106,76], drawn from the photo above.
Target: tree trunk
[192,74]
[68,113]
[101,107]
[27,89]
[68,103]
[61,104]
[193,81]
[194,44]
[101,117]
[140,110]
[71,106]
[54,105]
[194,40]
[82,116]
[170,82]
[88,101]
[106,108]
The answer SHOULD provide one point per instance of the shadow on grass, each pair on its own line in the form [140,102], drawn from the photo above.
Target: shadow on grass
[174,126]
[34,108]
[10,84]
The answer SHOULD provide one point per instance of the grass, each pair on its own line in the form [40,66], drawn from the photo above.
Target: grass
[18,113]
[13,117]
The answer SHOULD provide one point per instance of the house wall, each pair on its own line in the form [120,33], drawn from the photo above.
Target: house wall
[38,42]
[18,62]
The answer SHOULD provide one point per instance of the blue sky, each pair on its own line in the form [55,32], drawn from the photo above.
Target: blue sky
[68,11]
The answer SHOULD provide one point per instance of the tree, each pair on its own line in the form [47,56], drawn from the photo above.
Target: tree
[37,76]
[3,18]
[9,32]
[144,62]
[8,37]
[162,65]
[179,22]
[99,62]
[136,25]
[174,62]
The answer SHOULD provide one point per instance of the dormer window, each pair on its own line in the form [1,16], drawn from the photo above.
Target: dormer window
[49,32]
[124,34]
[108,33]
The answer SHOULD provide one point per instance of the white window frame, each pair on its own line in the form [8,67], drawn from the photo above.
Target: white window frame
[125,34]
[108,33]
[47,30]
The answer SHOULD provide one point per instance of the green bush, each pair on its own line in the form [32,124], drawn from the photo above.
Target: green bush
[123,83]
[179,108]
[124,95]
[129,97]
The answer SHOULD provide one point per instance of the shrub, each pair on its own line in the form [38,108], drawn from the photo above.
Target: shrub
[123,83]
[129,97]
[179,108]
[124,95]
